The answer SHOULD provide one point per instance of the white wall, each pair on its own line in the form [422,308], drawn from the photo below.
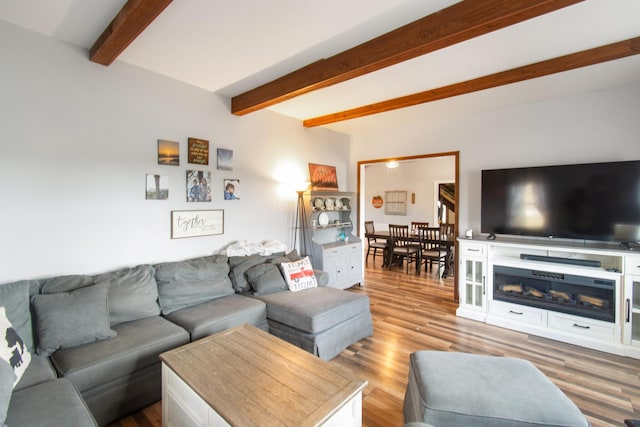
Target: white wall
[416,176]
[78,138]
[590,127]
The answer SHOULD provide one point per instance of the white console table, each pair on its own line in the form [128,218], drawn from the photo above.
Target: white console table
[478,257]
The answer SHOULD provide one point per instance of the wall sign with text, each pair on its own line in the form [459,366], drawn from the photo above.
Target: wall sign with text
[198,151]
[197,223]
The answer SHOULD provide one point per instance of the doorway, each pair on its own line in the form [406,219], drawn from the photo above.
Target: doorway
[449,201]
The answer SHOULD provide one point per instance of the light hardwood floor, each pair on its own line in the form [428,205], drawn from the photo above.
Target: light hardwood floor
[413,313]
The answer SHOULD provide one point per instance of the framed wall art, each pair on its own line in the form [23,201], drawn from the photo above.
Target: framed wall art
[168,153]
[225,159]
[197,223]
[323,177]
[232,189]
[198,150]
[157,187]
[198,186]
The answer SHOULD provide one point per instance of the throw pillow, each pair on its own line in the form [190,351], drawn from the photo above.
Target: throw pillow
[12,349]
[7,379]
[293,255]
[266,279]
[15,298]
[66,320]
[299,274]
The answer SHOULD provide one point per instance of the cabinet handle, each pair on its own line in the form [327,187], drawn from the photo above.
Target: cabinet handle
[484,283]
[473,250]
[519,313]
[575,325]
[628,310]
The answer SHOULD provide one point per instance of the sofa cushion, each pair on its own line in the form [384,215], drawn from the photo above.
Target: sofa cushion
[68,319]
[15,298]
[136,346]
[12,348]
[132,295]
[7,379]
[220,314]
[266,279]
[316,309]
[52,403]
[69,283]
[39,371]
[186,283]
[299,274]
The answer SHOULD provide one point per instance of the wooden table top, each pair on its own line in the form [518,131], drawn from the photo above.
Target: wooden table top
[252,378]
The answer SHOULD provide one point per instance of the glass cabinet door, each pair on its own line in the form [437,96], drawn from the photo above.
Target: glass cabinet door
[632,311]
[474,283]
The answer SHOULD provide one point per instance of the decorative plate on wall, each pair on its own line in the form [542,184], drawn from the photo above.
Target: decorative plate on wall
[323,219]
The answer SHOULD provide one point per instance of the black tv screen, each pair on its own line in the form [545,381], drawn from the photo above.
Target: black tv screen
[596,201]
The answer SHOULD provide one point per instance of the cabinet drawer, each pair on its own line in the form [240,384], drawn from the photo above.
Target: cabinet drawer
[581,326]
[632,265]
[471,250]
[520,313]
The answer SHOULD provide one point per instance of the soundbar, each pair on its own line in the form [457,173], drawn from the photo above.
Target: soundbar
[561,260]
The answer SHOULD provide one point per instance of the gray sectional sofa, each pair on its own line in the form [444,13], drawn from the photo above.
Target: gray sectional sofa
[95,340]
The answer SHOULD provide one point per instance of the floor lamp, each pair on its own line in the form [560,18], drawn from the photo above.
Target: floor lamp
[302,226]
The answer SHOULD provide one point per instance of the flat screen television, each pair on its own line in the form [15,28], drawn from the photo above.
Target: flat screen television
[596,201]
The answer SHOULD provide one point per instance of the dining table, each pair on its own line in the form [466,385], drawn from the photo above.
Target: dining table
[449,245]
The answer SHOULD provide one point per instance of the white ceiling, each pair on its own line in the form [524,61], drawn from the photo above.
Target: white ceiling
[229,47]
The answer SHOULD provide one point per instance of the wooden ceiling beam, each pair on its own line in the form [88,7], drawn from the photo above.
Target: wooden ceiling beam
[455,24]
[544,68]
[129,23]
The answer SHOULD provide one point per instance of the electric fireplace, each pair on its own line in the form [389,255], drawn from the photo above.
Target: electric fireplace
[590,297]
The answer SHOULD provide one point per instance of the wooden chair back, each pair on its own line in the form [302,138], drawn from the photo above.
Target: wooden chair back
[369,227]
[429,238]
[415,225]
[447,231]
[399,235]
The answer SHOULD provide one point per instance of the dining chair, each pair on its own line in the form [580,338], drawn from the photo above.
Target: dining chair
[432,250]
[447,233]
[447,230]
[416,224]
[403,246]
[373,242]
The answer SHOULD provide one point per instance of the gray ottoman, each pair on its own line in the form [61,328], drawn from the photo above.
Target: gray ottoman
[459,389]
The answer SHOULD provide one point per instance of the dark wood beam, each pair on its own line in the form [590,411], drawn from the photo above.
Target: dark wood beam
[133,18]
[557,65]
[455,24]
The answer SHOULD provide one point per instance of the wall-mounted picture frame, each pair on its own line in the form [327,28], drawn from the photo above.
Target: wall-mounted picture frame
[198,186]
[323,177]
[168,153]
[197,223]
[198,151]
[232,189]
[225,159]
[157,187]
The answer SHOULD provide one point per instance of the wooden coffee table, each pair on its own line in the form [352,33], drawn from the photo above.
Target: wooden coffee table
[246,377]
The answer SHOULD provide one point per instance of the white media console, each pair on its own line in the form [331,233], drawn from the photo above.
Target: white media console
[586,294]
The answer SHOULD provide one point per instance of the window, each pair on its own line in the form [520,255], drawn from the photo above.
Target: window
[395,202]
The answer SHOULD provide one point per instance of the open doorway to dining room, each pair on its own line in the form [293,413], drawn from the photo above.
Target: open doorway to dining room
[420,188]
